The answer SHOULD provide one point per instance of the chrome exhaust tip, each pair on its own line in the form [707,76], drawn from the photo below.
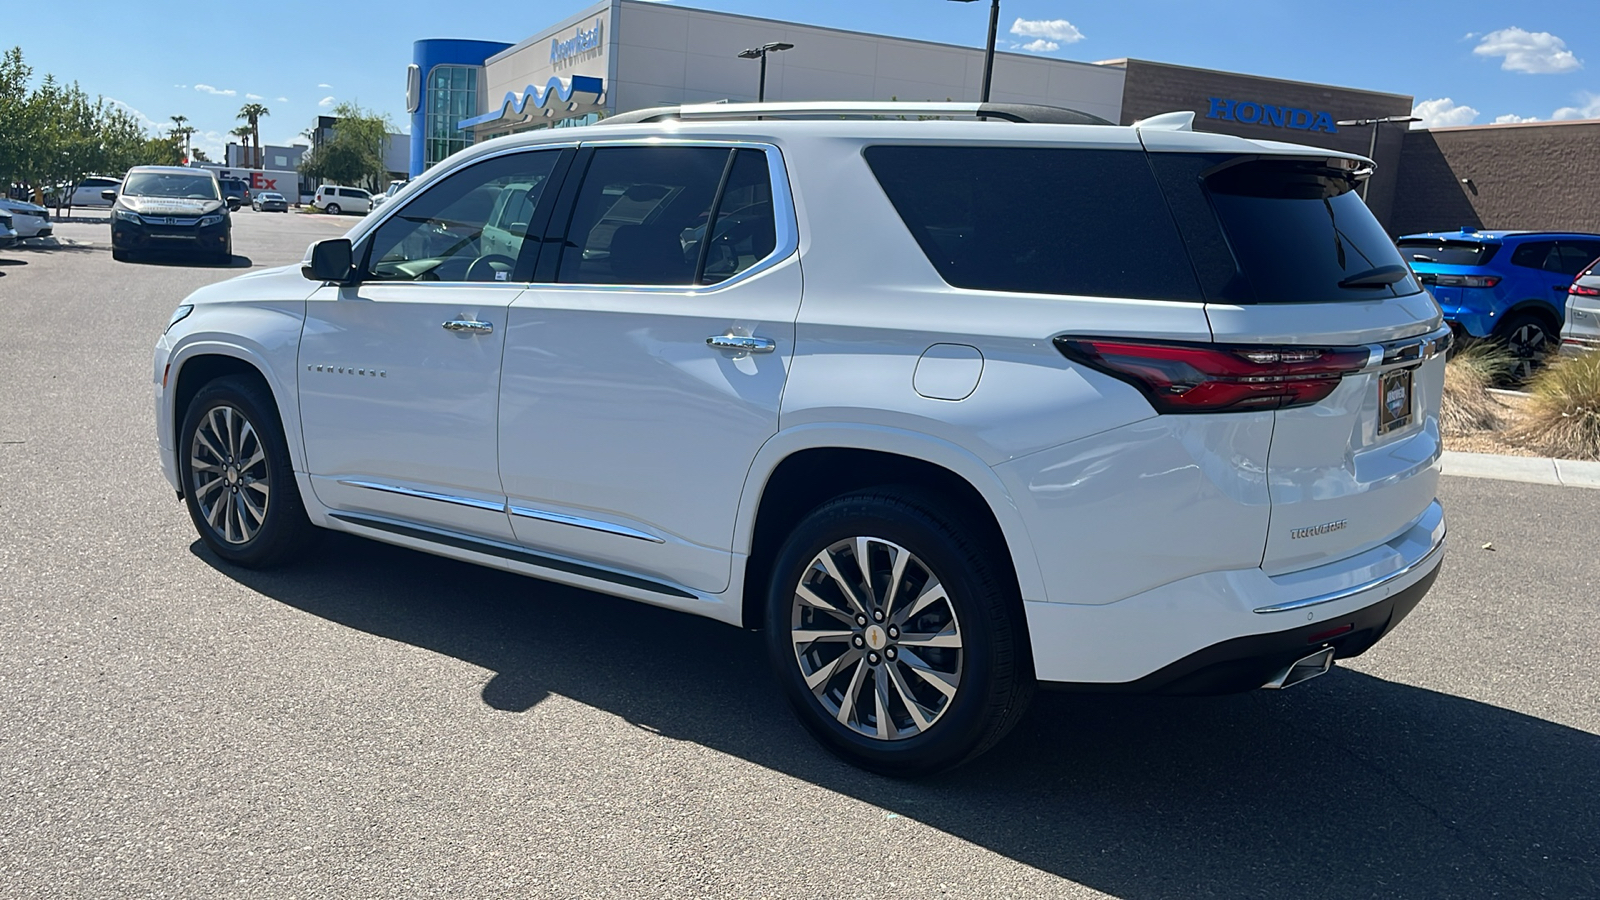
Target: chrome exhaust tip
[1300,670]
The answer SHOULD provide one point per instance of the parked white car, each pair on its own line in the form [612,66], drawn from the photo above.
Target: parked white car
[394,188]
[88,191]
[1056,401]
[29,219]
[335,199]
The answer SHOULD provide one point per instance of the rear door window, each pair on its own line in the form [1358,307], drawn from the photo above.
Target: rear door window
[1038,220]
[1574,256]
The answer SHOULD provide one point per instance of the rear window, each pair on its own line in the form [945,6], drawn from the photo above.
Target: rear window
[1049,221]
[1280,230]
[1448,253]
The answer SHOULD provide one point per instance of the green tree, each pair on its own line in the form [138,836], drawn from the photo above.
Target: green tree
[353,153]
[252,114]
[243,134]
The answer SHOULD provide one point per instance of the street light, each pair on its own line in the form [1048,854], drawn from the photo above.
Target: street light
[1372,147]
[988,54]
[761,54]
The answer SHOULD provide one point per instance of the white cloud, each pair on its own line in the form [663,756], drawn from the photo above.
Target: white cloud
[283,99]
[1051,29]
[254,97]
[1039,45]
[181,87]
[1513,119]
[1588,108]
[219,92]
[325,101]
[1442,113]
[145,121]
[1534,53]
[324,85]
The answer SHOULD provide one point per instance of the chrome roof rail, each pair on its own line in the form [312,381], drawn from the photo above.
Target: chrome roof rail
[858,109]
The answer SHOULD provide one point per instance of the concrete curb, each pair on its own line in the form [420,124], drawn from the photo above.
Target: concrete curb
[1528,469]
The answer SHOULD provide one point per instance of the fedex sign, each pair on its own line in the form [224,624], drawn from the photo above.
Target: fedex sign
[260,182]
[1252,113]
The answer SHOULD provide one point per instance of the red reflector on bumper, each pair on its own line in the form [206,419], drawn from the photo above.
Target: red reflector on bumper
[1330,633]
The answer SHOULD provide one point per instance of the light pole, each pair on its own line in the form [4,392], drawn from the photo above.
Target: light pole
[1372,146]
[988,54]
[761,54]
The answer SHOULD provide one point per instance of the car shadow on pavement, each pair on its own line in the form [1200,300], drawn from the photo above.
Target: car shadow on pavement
[189,262]
[1347,786]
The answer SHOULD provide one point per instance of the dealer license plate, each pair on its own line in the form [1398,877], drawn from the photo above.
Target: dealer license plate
[1394,400]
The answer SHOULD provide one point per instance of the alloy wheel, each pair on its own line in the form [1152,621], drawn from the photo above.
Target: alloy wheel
[876,638]
[229,476]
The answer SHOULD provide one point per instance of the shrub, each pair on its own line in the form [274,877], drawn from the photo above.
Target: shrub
[1563,418]
[1468,406]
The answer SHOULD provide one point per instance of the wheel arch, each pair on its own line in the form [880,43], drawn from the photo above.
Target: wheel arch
[798,470]
[1544,309]
[197,364]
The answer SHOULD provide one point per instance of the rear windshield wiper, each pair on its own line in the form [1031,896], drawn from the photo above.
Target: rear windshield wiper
[1382,276]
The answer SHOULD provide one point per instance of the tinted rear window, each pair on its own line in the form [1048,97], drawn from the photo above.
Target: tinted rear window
[1049,221]
[1448,253]
[1296,229]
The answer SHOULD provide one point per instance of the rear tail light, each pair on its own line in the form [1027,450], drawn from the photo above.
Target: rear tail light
[1202,378]
[1581,291]
[1477,281]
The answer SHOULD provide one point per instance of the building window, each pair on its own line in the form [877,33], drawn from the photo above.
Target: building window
[452,95]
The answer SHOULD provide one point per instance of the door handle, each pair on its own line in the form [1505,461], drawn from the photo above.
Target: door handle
[468,326]
[742,343]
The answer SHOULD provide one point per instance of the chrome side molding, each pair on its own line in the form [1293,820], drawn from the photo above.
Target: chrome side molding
[507,508]
[424,495]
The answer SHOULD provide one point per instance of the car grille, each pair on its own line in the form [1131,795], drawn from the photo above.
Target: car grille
[180,222]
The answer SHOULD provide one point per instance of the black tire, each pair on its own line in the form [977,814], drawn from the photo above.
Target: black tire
[1528,338]
[993,673]
[282,529]
[332,209]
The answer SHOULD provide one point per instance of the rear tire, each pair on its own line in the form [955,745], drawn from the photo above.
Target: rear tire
[238,482]
[1530,342]
[915,675]
[332,209]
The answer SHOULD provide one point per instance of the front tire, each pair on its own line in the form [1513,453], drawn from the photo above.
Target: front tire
[239,485]
[911,663]
[332,209]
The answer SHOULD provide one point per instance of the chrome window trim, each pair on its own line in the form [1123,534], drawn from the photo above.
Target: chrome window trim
[581,522]
[424,495]
[786,224]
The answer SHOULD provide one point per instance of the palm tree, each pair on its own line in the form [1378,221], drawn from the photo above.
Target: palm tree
[182,131]
[243,134]
[252,113]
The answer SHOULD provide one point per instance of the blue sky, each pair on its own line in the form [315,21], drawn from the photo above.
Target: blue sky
[1468,61]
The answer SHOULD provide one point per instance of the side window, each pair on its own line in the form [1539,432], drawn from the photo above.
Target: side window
[1574,256]
[445,232]
[745,232]
[640,215]
[1533,254]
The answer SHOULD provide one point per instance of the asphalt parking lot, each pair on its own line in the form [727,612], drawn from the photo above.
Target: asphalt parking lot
[382,723]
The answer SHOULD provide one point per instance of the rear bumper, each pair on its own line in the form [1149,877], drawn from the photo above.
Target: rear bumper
[1230,631]
[1576,345]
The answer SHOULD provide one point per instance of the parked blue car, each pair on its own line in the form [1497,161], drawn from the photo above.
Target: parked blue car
[1507,285]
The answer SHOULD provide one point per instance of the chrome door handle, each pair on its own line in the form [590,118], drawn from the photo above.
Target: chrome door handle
[739,342]
[469,326]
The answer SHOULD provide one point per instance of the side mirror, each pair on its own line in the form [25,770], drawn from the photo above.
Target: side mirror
[330,262]
[108,194]
[233,204]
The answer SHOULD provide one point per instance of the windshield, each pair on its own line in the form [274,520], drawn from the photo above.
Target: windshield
[1448,253]
[178,185]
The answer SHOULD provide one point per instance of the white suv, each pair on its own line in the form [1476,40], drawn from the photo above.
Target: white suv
[335,199]
[948,408]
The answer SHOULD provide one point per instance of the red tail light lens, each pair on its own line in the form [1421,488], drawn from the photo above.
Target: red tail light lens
[1582,291]
[1202,378]
[1477,281]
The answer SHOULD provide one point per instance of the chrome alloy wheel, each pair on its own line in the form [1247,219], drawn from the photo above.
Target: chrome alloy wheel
[228,476]
[876,638]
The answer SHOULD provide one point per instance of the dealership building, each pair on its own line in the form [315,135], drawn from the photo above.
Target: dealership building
[621,55]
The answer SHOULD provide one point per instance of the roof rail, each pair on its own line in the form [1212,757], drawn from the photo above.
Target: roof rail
[857,109]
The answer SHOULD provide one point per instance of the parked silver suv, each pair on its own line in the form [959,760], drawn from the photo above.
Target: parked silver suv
[948,407]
